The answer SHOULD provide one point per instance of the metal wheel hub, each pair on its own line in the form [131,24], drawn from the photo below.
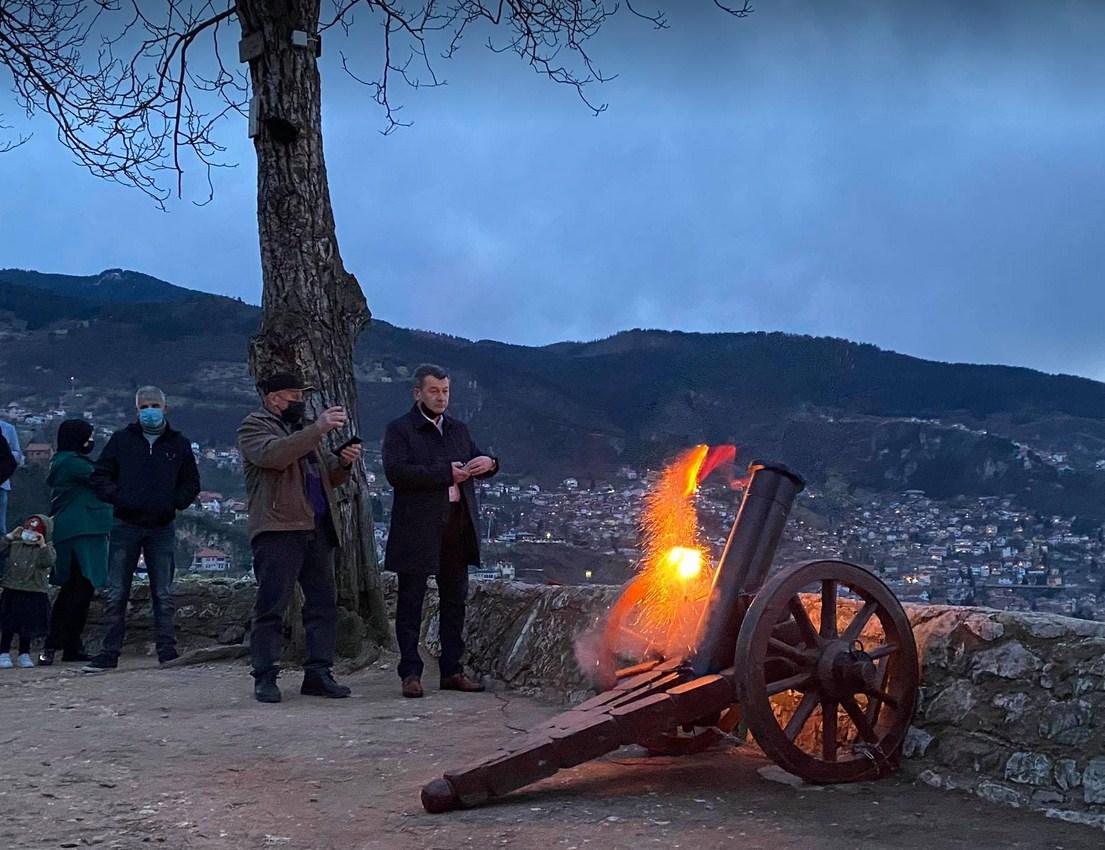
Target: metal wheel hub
[843,670]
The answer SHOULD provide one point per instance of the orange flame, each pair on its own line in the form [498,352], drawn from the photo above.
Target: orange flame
[718,455]
[660,609]
[687,562]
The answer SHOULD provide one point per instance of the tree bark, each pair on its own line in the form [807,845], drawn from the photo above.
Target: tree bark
[312,309]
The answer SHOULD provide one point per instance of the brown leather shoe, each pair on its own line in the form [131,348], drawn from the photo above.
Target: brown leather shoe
[460,682]
[412,687]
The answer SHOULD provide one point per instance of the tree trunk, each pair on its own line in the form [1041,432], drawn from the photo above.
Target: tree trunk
[312,309]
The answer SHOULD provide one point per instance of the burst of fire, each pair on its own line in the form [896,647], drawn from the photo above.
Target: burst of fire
[687,562]
[660,609]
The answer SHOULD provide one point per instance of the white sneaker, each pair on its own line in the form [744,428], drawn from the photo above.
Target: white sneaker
[25,660]
[6,661]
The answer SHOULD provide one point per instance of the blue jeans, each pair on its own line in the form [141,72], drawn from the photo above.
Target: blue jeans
[156,546]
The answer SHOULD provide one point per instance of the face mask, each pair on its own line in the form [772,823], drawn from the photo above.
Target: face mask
[293,413]
[151,417]
[87,448]
[29,536]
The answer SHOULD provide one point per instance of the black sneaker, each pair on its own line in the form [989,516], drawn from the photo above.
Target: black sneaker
[47,658]
[171,655]
[322,684]
[100,664]
[264,686]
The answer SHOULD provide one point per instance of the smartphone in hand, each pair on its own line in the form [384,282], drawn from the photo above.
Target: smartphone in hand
[352,441]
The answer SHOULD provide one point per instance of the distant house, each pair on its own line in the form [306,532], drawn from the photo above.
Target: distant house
[210,501]
[236,509]
[38,453]
[210,561]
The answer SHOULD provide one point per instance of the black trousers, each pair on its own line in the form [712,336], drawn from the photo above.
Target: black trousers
[452,588]
[7,638]
[280,559]
[70,612]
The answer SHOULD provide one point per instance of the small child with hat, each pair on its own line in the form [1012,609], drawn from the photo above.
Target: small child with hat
[24,603]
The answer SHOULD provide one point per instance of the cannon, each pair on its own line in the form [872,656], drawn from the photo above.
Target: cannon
[816,661]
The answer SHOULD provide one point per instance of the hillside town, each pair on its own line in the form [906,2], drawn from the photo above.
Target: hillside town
[971,551]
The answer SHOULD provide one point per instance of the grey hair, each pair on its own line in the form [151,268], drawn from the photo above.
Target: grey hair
[428,370]
[149,393]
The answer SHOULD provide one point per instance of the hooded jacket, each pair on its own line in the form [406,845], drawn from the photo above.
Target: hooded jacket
[74,507]
[29,564]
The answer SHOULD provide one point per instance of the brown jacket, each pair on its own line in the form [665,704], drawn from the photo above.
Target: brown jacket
[273,455]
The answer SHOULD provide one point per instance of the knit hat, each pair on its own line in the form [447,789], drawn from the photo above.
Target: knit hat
[72,434]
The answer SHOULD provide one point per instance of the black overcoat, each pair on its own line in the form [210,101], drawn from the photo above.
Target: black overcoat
[418,464]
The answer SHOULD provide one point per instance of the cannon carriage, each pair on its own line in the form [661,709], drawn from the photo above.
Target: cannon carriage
[816,661]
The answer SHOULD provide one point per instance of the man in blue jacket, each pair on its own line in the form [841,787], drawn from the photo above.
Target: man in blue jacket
[147,473]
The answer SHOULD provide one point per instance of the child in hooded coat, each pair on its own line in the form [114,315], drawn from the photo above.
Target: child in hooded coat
[24,603]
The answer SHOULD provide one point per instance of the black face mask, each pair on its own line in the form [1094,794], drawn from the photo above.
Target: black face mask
[293,413]
[87,448]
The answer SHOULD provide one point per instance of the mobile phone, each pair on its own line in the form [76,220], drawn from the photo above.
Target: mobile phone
[352,441]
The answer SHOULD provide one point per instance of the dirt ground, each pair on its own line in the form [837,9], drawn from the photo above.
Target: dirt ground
[185,759]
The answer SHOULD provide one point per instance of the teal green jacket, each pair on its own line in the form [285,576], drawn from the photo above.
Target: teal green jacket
[74,507]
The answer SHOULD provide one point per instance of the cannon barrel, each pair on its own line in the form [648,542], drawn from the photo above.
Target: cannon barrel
[745,561]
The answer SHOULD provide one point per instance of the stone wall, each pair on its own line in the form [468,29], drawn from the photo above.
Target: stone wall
[1012,709]
[1012,705]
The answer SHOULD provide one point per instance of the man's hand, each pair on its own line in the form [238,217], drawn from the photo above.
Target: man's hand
[479,466]
[332,418]
[460,474]
[350,455]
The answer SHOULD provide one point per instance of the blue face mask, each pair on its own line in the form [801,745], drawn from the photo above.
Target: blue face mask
[151,417]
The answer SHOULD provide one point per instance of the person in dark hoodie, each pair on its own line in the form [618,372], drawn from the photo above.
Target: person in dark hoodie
[147,473]
[24,603]
[82,524]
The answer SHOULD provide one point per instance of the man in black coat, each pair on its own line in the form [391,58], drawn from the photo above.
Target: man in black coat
[431,461]
[147,473]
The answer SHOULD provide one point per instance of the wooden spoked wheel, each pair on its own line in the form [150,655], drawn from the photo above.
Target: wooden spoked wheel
[827,672]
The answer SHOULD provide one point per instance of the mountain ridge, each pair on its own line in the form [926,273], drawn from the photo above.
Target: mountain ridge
[880,419]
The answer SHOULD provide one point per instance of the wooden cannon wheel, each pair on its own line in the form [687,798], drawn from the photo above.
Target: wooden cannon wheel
[827,672]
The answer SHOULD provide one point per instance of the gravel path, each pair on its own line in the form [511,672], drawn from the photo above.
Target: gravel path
[185,759]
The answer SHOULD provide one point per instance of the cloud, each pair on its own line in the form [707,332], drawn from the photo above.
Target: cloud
[927,178]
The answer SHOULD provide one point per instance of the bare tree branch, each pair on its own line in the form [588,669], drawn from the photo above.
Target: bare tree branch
[120,80]
[11,144]
[125,119]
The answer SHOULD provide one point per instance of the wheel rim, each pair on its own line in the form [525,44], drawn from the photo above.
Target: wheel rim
[828,688]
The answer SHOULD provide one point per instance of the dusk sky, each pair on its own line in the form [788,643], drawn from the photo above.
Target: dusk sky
[928,177]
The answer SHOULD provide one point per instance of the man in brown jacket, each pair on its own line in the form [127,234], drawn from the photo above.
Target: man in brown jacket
[289,489]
